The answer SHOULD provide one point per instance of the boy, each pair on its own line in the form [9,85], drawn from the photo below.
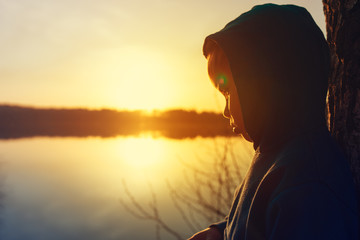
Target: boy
[272,64]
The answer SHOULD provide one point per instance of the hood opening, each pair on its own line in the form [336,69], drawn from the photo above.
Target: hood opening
[279,59]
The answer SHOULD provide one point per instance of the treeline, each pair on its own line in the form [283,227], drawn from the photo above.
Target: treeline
[18,122]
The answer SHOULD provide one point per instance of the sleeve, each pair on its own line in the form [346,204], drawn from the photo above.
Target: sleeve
[310,211]
[220,225]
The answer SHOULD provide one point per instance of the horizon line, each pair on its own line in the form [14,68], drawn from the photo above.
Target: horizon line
[37,107]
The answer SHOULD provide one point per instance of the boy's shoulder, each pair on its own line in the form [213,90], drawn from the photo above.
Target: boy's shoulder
[308,193]
[312,159]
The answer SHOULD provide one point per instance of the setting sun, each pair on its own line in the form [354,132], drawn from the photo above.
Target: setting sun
[141,77]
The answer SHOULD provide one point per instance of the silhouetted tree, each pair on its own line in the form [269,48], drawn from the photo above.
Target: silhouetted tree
[343,35]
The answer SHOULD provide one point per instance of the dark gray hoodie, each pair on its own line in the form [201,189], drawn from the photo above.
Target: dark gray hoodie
[299,185]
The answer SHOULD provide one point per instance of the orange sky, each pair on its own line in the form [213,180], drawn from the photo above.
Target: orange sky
[134,54]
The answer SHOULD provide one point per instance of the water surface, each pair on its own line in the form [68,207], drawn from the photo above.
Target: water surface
[69,188]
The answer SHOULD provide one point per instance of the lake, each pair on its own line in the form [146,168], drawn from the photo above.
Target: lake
[81,188]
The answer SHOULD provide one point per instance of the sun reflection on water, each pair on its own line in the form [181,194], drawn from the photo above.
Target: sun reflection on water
[142,152]
[70,185]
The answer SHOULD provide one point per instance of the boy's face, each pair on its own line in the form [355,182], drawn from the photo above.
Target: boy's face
[224,82]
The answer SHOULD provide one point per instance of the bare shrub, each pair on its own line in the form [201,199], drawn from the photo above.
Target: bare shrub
[205,194]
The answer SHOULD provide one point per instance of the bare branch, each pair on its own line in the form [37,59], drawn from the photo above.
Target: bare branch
[139,212]
[205,194]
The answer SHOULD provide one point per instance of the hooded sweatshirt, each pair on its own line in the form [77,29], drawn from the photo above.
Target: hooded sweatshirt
[299,185]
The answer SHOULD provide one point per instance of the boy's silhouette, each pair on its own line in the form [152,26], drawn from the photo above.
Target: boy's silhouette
[272,65]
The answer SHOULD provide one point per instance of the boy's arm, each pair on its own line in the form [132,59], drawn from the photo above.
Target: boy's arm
[214,232]
[210,233]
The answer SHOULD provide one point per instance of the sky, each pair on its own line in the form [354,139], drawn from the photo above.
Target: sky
[134,54]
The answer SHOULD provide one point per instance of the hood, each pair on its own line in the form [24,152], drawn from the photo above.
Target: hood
[279,59]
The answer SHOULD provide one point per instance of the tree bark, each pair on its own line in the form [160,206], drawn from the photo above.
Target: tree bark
[343,35]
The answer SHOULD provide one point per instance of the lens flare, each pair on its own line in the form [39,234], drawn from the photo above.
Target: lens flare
[221,81]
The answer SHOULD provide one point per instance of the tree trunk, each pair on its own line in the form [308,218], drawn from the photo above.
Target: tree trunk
[343,35]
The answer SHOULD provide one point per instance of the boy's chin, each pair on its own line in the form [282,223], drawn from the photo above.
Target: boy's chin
[240,133]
